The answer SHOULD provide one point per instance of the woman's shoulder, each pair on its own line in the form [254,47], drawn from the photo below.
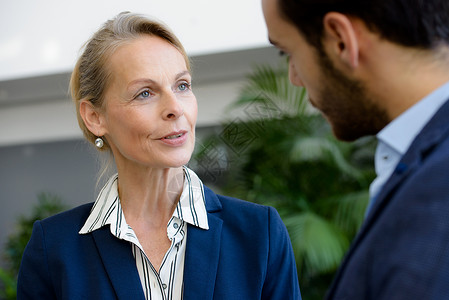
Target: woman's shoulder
[60,232]
[254,223]
[238,208]
[72,218]
[212,197]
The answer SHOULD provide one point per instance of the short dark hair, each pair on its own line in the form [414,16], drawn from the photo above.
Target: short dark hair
[413,23]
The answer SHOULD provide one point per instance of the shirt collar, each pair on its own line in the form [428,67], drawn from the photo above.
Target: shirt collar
[400,133]
[191,207]
[107,210]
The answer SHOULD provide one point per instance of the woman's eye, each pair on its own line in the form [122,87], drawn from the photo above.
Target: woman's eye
[183,86]
[144,94]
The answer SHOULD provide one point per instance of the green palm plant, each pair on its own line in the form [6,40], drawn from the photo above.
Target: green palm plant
[281,152]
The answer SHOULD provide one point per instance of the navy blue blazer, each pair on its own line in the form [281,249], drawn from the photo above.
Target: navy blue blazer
[402,249]
[245,254]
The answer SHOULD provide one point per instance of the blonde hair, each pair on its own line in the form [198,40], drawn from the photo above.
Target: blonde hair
[90,76]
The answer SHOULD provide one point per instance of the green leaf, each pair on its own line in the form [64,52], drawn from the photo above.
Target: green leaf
[319,244]
[9,283]
[316,148]
[351,211]
[272,87]
[47,205]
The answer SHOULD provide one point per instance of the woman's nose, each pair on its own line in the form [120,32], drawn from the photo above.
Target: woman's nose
[173,108]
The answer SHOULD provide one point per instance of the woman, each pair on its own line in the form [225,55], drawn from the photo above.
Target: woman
[154,232]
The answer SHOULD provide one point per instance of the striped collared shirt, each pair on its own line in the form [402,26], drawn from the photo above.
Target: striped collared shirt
[168,282]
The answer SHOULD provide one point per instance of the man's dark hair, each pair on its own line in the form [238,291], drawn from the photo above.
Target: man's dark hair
[413,23]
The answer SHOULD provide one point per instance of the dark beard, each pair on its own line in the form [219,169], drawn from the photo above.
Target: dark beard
[347,106]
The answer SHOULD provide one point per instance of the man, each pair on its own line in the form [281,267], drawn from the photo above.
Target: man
[382,67]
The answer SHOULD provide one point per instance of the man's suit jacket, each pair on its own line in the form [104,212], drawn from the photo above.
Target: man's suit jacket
[402,249]
[245,254]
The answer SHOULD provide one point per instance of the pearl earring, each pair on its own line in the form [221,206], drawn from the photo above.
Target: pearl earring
[99,142]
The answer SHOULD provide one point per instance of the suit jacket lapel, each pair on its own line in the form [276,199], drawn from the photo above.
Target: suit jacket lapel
[202,253]
[431,135]
[119,264]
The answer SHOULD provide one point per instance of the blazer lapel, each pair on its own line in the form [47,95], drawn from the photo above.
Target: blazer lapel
[119,264]
[432,134]
[202,254]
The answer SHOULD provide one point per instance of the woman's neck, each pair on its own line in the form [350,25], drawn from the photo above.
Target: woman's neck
[150,195]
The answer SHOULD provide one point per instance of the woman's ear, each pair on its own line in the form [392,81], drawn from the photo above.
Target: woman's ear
[340,38]
[92,118]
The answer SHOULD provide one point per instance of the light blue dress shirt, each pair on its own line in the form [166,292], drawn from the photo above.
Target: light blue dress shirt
[395,139]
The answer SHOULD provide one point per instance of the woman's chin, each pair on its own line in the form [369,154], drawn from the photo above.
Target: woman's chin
[179,162]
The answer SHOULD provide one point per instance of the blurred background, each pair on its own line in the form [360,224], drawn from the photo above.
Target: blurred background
[257,137]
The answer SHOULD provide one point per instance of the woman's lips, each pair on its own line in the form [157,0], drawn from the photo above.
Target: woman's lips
[175,138]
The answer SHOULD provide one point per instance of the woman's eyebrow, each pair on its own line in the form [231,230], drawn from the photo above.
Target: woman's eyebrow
[140,81]
[180,74]
[152,82]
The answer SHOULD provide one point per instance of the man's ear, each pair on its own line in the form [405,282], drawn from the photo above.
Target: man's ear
[92,118]
[340,38]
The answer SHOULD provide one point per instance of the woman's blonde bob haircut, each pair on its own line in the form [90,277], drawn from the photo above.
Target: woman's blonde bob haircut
[91,73]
